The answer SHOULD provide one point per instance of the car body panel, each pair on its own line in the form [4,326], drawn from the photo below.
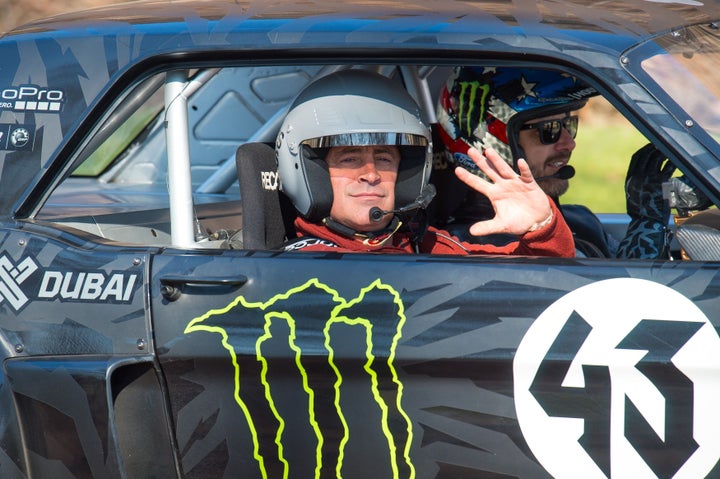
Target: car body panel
[400,365]
[66,300]
[128,355]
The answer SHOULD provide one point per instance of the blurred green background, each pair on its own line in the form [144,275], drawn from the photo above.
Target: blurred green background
[605,143]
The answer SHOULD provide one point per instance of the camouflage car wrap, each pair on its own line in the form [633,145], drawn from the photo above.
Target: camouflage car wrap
[401,370]
[132,361]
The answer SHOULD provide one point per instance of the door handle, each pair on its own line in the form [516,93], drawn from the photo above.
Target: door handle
[171,286]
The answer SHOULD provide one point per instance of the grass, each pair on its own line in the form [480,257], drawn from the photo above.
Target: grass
[601,157]
[118,141]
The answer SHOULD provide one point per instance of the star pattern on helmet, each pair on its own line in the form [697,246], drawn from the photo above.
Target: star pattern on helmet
[528,89]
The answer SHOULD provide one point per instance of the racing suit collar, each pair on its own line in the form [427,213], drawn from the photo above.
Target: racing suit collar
[370,238]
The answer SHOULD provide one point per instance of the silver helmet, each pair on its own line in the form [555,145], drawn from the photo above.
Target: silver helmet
[349,108]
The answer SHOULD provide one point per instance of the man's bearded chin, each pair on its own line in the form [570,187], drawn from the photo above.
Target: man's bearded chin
[554,187]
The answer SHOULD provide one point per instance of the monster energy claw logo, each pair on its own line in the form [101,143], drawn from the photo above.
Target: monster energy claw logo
[472,104]
[303,395]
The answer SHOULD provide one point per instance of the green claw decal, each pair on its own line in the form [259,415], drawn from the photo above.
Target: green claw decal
[299,331]
[470,110]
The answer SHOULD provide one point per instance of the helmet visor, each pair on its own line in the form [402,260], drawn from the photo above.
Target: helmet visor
[367,139]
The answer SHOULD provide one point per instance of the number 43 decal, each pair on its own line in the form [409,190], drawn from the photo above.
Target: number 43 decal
[620,379]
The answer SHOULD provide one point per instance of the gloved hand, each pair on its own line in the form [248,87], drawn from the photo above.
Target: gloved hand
[685,196]
[647,235]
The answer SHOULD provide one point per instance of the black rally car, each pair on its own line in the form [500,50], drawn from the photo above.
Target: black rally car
[149,329]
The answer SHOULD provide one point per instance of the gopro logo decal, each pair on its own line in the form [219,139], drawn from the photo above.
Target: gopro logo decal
[31,98]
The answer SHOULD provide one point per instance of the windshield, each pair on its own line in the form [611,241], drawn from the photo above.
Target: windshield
[686,70]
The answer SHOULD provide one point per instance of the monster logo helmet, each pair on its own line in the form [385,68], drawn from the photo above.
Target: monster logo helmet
[485,107]
[349,108]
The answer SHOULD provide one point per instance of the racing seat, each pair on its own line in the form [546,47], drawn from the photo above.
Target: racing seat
[268,215]
[699,236]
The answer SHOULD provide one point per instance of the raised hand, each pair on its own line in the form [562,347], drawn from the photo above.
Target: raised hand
[647,235]
[648,170]
[520,204]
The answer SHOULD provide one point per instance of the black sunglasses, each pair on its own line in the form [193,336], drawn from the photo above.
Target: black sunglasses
[549,131]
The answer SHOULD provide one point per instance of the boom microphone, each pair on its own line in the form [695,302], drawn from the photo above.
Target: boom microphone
[564,173]
[422,201]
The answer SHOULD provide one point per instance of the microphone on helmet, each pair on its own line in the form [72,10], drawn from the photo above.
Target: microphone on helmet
[564,173]
[421,202]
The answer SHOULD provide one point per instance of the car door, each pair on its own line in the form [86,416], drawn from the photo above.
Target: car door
[309,364]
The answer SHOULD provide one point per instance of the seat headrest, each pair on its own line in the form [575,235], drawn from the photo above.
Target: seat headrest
[263,225]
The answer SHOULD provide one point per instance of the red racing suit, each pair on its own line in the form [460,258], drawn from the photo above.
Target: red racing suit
[554,239]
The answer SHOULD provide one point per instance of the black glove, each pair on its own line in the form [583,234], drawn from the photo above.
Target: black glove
[647,235]
[685,196]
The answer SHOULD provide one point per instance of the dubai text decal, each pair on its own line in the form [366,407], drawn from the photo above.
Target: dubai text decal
[97,286]
[616,380]
[303,336]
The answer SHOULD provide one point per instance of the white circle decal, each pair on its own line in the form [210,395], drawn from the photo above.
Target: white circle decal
[621,379]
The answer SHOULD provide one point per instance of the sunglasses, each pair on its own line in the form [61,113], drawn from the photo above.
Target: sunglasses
[549,131]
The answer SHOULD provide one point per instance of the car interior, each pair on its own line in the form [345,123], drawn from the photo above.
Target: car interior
[125,182]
